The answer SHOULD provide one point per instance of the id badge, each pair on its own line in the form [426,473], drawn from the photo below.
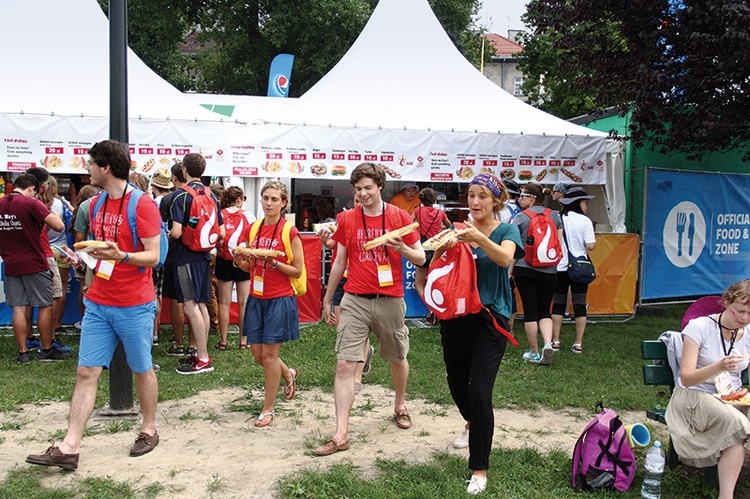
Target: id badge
[385,275]
[105,269]
[258,285]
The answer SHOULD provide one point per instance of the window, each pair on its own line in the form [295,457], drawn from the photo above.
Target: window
[518,81]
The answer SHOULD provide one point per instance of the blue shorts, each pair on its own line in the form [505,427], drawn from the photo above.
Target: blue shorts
[103,325]
[273,321]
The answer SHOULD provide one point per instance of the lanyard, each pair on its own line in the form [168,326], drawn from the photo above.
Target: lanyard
[731,341]
[270,244]
[382,221]
[119,211]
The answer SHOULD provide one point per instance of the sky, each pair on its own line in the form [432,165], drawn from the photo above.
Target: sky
[498,16]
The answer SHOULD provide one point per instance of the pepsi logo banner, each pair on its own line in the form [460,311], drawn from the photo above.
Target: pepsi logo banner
[696,233]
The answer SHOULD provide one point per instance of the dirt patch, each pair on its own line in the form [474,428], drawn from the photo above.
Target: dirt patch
[205,447]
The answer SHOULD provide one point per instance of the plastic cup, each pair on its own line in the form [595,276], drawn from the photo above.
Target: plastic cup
[638,435]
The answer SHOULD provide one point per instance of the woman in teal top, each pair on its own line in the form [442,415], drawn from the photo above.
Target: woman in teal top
[472,347]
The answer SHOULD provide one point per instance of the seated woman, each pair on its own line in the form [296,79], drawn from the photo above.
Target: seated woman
[704,429]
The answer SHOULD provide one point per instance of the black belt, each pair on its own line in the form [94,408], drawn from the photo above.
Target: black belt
[371,296]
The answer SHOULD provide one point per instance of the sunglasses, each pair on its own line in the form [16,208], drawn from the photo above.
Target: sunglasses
[525,195]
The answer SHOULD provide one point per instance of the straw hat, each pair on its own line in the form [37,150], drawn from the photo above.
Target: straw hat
[162,179]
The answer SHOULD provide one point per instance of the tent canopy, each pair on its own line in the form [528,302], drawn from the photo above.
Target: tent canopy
[403,71]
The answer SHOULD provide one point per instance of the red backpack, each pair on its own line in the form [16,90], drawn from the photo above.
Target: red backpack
[542,244]
[201,230]
[234,224]
[451,288]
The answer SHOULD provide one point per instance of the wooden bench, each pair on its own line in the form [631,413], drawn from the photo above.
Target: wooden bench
[661,375]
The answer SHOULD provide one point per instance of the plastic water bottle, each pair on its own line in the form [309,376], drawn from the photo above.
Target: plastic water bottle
[654,465]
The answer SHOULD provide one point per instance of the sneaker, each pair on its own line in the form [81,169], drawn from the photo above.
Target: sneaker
[61,330]
[176,351]
[370,353]
[51,355]
[156,367]
[546,358]
[198,367]
[33,343]
[213,329]
[24,358]
[53,457]
[77,325]
[155,340]
[462,440]
[144,444]
[58,345]
[188,359]
[532,357]
[477,484]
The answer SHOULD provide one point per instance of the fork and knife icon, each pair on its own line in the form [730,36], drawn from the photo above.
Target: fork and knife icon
[683,220]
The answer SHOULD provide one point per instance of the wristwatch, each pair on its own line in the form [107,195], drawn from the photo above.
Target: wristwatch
[127,257]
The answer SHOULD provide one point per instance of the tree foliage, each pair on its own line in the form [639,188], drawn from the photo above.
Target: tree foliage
[240,38]
[681,66]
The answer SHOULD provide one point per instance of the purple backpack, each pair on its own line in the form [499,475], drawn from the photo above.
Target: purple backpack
[602,458]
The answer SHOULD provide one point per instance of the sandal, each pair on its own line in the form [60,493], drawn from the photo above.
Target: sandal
[576,348]
[555,345]
[220,346]
[244,346]
[290,390]
[259,423]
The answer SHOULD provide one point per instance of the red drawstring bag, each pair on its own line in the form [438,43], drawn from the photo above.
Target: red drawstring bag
[451,288]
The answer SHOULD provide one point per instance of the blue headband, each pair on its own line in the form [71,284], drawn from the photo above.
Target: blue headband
[491,182]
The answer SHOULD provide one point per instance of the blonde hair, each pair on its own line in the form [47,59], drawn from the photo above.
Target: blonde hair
[50,193]
[739,292]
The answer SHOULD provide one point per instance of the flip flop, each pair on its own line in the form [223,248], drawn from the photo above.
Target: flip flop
[259,423]
[290,390]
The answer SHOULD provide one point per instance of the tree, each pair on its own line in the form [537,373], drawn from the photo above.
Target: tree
[681,66]
[156,32]
[240,38]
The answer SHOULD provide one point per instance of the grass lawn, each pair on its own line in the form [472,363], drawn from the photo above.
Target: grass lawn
[609,371]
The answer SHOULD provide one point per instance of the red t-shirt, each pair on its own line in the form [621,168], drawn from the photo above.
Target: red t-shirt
[44,238]
[21,223]
[363,264]
[275,284]
[128,286]
[430,220]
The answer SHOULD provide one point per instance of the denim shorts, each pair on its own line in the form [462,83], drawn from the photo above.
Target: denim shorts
[103,325]
[273,321]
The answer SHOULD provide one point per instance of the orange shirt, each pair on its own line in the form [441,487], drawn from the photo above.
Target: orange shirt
[400,201]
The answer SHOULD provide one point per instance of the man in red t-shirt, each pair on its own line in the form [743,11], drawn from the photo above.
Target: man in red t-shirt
[373,298]
[120,304]
[29,278]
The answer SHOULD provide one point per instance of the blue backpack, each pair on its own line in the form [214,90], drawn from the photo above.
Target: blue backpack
[68,221]
[132,205]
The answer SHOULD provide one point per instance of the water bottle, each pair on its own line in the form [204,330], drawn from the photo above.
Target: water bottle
[654,466]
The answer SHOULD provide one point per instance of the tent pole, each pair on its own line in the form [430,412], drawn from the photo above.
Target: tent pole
[120,376]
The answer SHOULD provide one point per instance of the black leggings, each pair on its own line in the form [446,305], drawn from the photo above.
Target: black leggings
[578,292]
[536,290]
[472,351]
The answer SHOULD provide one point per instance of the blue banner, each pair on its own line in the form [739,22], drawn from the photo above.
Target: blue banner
[415,307]
[280,75]
[696,233]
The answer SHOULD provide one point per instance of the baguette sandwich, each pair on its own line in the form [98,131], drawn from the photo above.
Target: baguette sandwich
[259,253]
[379,241]
[89,245]
[439,240]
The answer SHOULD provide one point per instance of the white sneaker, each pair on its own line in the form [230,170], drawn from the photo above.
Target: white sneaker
[546,355]
[77,325]
[462,440]
[477,484]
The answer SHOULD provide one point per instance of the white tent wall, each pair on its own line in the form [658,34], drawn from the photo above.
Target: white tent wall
[54,96]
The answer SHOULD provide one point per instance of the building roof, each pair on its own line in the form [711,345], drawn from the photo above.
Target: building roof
[504,47]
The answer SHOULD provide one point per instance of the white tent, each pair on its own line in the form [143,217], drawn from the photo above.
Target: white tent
[54,94]
[404,96]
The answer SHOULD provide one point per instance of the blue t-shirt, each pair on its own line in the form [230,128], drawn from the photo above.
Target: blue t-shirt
[492,279]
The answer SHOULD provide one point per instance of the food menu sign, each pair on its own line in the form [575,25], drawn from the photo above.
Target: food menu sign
[430,159]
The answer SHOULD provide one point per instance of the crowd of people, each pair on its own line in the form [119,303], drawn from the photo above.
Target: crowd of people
[364,294]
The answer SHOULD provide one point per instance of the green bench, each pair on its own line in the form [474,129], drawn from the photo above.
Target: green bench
[661,375]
